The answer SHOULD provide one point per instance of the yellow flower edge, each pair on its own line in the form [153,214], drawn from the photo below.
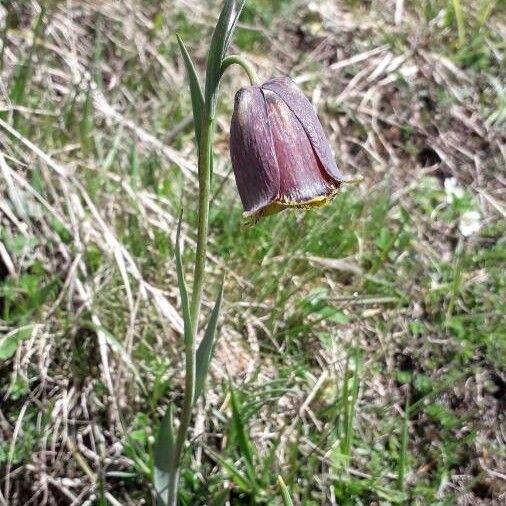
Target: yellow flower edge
[277,206]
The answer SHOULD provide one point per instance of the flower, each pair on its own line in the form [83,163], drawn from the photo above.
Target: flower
[453,190]
[280,155]
[470,223]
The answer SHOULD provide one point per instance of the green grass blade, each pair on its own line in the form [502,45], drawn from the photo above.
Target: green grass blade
[285,493]
[86,127]
[219,45]
[343,411]
[353,404]
[195,89]
[3,38]
[241,434]
[239,478]
[484,12]
[350,397]
[19,87]
[205,349]
[403,452]
[461,26]
[163,451]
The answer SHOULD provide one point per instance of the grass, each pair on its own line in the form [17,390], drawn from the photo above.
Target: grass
[362,349]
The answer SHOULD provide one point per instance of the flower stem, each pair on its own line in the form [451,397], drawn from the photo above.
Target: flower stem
[204,170]
[205,157]
[245,64]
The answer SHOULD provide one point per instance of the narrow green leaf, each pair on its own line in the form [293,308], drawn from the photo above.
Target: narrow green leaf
[183,291]
[352,405]
[219,45]
[240,480]
[343,414]
[3,38]
[86,126]
[461,25]
[21,82]
[242,435]
[403,452]
[285,493]
[195,90]
[205,349]
[270,460]
[9,342]
[163,451]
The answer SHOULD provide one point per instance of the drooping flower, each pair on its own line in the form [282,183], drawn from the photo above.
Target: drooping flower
[280,155]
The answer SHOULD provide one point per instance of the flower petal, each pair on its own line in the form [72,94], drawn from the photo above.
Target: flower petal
[252,151]
[302,179]
[302,108]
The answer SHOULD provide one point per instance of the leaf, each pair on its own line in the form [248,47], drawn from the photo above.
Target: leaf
[242,435]
[205,349]
[9,342]
[163,451]
[183,291]
[240,480]
[195,90]
[285,493]
[332,314]
[222,36]
[350,402]
[403,451]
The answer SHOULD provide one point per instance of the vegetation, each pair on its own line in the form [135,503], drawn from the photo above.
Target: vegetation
[361,349]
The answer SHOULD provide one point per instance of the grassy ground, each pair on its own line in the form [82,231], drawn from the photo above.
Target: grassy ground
[362,347]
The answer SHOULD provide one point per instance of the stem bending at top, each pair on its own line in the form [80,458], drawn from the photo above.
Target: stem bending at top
[245,64]
[197,362]
[204,174]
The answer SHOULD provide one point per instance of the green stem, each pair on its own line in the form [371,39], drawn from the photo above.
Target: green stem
[204,171]
[205,154]
[245,64]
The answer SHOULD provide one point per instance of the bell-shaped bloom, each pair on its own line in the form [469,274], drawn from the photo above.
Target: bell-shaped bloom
[280,155]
